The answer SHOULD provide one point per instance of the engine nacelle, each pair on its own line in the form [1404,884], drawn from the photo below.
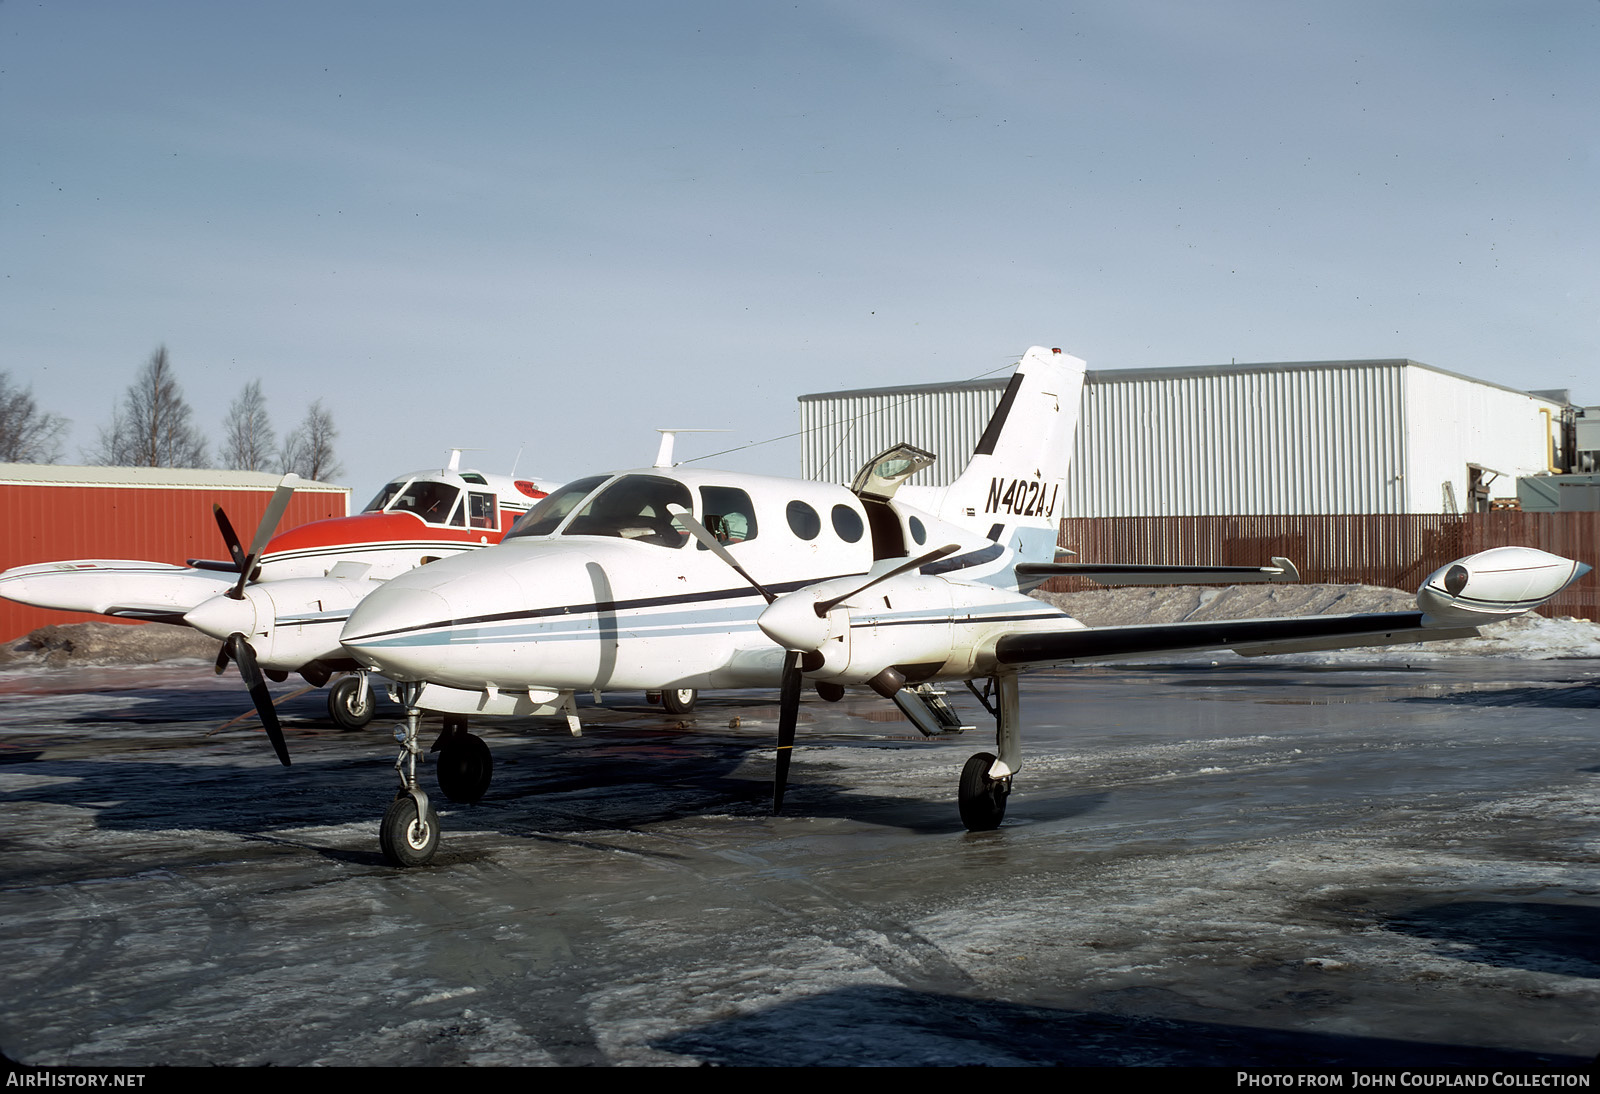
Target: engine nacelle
[905,620]
[1495,584]
[287,623]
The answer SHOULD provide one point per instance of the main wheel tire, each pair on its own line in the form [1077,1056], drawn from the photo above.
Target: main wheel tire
[679,700]
[982,799]
[464,768]
[405,840]
[345,706]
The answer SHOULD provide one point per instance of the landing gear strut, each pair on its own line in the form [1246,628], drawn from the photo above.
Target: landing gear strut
[986,779]
[409,832]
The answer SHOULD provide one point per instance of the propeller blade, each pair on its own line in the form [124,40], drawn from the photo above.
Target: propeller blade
[259,695]
[274,513]
[229,536]
[264,530]
[827,606]
[222,658]
[788,715]
[701,533]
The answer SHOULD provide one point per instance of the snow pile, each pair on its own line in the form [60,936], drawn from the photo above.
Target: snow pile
[106,643]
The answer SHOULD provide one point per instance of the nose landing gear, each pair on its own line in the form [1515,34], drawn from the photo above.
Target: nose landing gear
[409,832]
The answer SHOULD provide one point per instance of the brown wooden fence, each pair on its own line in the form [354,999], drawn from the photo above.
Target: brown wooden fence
[1398,551]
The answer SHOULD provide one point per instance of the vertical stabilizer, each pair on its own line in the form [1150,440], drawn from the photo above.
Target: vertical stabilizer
[1012,490]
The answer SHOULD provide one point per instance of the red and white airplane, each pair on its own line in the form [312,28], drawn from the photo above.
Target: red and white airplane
[666,577]
[280,606]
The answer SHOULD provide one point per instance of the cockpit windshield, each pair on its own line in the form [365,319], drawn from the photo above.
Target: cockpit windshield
[385,496]
[635,507]
[545,517]
[434,502]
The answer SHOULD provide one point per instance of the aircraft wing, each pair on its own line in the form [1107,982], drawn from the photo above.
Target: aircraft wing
[1249,637]
[121,588]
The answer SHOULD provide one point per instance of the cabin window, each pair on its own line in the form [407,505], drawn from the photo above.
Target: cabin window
[918,532]
[803,520]
[728,514]
[432,501]
[481,512]
[847,522]
[544,518]
[635,507]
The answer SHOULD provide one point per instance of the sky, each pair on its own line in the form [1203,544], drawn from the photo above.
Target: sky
[540,231]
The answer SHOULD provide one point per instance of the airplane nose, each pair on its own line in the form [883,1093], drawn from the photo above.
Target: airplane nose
[398,631]
[222,615]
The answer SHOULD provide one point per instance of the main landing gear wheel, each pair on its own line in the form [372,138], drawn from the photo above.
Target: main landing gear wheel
[678,700]
[406,839]
[464,767]
[982,799]
[345,706]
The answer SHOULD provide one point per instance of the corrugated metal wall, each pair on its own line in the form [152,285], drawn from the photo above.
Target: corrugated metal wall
[1326,439]
[52,523]
[842,431]
[1319,437]
[1391,550]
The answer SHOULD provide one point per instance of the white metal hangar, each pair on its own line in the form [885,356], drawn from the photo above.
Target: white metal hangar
[1384,436]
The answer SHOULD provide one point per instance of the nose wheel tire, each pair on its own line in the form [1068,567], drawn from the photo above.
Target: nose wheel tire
[406,839]
[982,799]
[345,706]
[678,700]
[465,767]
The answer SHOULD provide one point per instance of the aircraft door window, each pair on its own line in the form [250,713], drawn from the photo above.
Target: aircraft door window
[728,514]
[803,520]
[635,507]
[481,511]
[847,522]
[543,519]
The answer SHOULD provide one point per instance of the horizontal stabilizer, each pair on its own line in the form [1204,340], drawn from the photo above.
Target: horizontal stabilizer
[1282,571]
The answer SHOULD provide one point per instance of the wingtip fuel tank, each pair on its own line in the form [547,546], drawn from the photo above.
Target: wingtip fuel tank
[1495,584]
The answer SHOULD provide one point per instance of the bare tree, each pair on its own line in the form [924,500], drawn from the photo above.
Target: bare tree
[247,436]
[27,435]
[308,450]
[151,428]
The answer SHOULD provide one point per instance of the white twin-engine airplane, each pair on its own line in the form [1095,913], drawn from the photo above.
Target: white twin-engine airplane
[279,607]
[665,578]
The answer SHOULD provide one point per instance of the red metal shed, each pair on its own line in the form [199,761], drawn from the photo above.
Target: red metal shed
[155,514]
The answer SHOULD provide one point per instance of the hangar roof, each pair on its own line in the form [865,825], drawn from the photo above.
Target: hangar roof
[169,478]
[1115,375]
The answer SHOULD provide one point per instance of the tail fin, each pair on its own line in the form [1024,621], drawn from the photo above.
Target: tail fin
[1011,491]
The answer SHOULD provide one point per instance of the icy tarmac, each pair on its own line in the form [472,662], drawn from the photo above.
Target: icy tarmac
[1244,864]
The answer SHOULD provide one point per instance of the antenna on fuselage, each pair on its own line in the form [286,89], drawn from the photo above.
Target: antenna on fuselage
[668,436]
